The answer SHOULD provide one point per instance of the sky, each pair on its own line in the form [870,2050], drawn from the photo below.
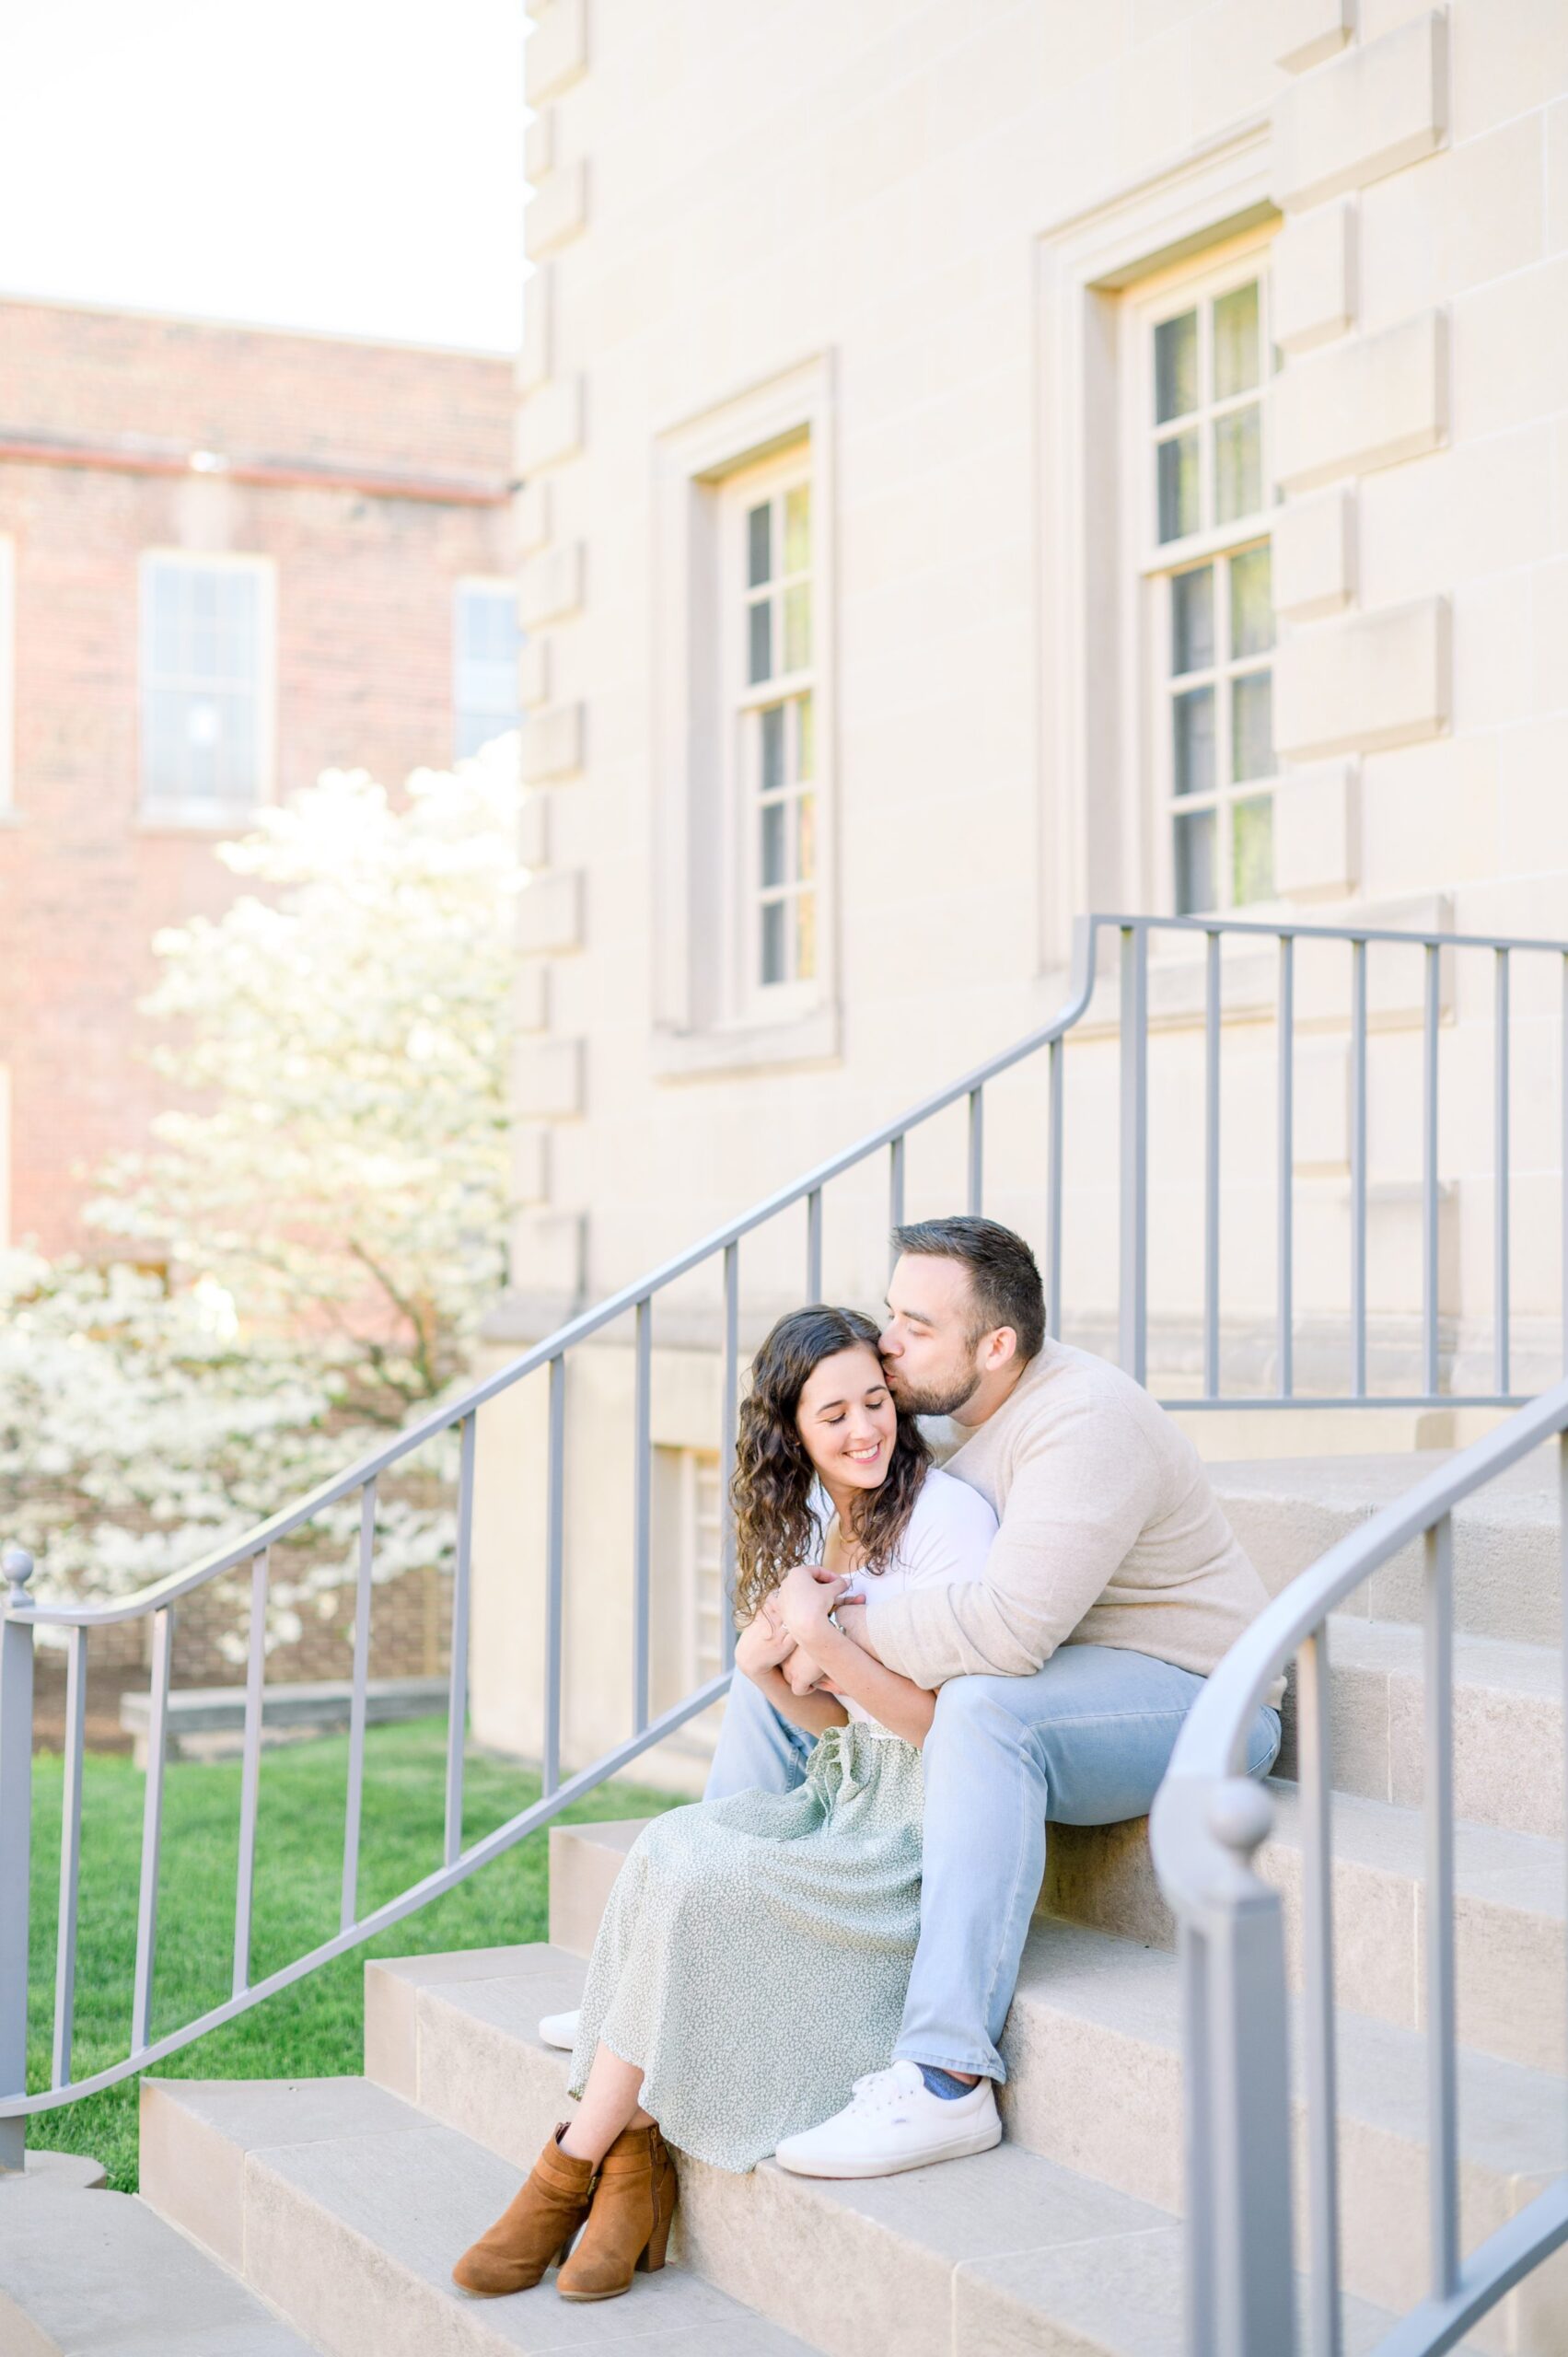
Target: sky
[353,166]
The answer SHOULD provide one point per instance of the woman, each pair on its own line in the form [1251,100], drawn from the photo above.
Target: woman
[755,1952]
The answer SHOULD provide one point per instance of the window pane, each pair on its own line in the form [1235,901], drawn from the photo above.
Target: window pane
[1236,341]
[1238,464]
[1176,368]
[797,627]
[776,817]
[805,839]
[1252,602]
[759,641]
[1252,849]
[775,917]
[1251,727]
[805,737]
[798,529]
[485,666]
[1179,486]
[759,545]
[805,937]
[772,749]
[1192,740]
[1193,620]
[1194,862]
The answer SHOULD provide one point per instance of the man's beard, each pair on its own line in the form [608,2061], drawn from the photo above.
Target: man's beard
[946,1401]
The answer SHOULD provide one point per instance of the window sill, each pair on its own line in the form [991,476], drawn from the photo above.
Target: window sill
[152,819]
[749,1046]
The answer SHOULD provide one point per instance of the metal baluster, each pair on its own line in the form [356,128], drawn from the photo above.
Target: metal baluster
[729,1407]
[814,1244]
[1500,1221]
[16,1846]
[70,1855]
[556,1566]
[251,1779]
[1358,1169]
[1134,1052]
[641,1513]
[1314,1782]
[1441,2126]
[1246,2203]
[1198,2133]
[152,1829]
[1056,1054]
[1211,1170]
[363,1590]
[977,1150]
[1429,1172]
[896,1191]
[457,1684]
[1285,1174]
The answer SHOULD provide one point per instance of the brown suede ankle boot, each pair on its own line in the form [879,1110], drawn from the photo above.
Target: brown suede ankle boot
[534,2228]
[629,2224]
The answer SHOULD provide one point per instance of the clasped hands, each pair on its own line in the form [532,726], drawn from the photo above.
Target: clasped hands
[790,1622]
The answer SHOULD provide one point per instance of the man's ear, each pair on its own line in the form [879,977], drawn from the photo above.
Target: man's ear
[1000,1349]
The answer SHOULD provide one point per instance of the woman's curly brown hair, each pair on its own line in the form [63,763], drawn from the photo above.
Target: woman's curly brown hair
[770,1492]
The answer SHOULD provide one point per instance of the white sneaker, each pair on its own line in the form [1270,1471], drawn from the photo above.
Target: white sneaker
[561,2029]
[893,2121]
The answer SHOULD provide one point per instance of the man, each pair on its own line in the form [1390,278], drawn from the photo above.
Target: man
[1114,1587]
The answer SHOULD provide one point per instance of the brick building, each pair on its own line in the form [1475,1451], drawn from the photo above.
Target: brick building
[229,558]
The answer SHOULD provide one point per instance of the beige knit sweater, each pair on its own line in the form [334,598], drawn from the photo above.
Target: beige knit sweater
[1110,1535]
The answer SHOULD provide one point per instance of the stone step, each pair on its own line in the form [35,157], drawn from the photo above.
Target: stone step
[345,2209]
[1008,2253]
[1507,1552]
[1510,1951]
[1093,2046]
[1508,1761]
[98,2274]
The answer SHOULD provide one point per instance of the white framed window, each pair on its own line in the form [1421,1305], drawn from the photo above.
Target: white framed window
[206,685]
[771,730]
[1200,369]
[744,868]
[689,1556]
[485,644]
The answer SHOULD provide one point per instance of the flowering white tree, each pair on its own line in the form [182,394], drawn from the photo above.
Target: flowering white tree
[303,1256]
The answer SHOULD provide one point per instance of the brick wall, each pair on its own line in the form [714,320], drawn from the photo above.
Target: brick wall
[364,650]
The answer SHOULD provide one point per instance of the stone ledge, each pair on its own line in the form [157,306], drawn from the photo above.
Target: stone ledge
[1308,32]
[1314,277]
[559,212]
[549,424]
[550,585]
[1381,679]
[1370,112]
[549,913]
[556,54]
[1364,404]
[1314,555]
[552,743]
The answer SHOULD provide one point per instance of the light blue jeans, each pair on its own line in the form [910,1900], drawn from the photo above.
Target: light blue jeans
[1084,1741]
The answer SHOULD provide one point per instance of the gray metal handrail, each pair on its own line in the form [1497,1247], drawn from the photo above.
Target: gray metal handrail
[1208,1821]
[253,1552]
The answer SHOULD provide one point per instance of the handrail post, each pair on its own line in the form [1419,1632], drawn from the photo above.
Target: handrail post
[16,1846]
[1246,2204]
[1133,1316]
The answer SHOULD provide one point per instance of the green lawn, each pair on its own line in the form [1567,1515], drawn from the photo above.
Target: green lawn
[313,2029]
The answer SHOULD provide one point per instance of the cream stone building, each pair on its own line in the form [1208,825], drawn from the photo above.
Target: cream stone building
[984,461]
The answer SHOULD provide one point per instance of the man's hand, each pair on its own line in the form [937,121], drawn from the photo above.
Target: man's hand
[805,1599]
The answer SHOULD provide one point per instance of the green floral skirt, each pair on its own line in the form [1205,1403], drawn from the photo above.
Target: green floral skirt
[755,1953]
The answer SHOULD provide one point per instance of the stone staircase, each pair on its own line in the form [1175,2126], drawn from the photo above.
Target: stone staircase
[329,2211]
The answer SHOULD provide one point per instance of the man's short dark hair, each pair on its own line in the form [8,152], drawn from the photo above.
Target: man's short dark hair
[1004,1272]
